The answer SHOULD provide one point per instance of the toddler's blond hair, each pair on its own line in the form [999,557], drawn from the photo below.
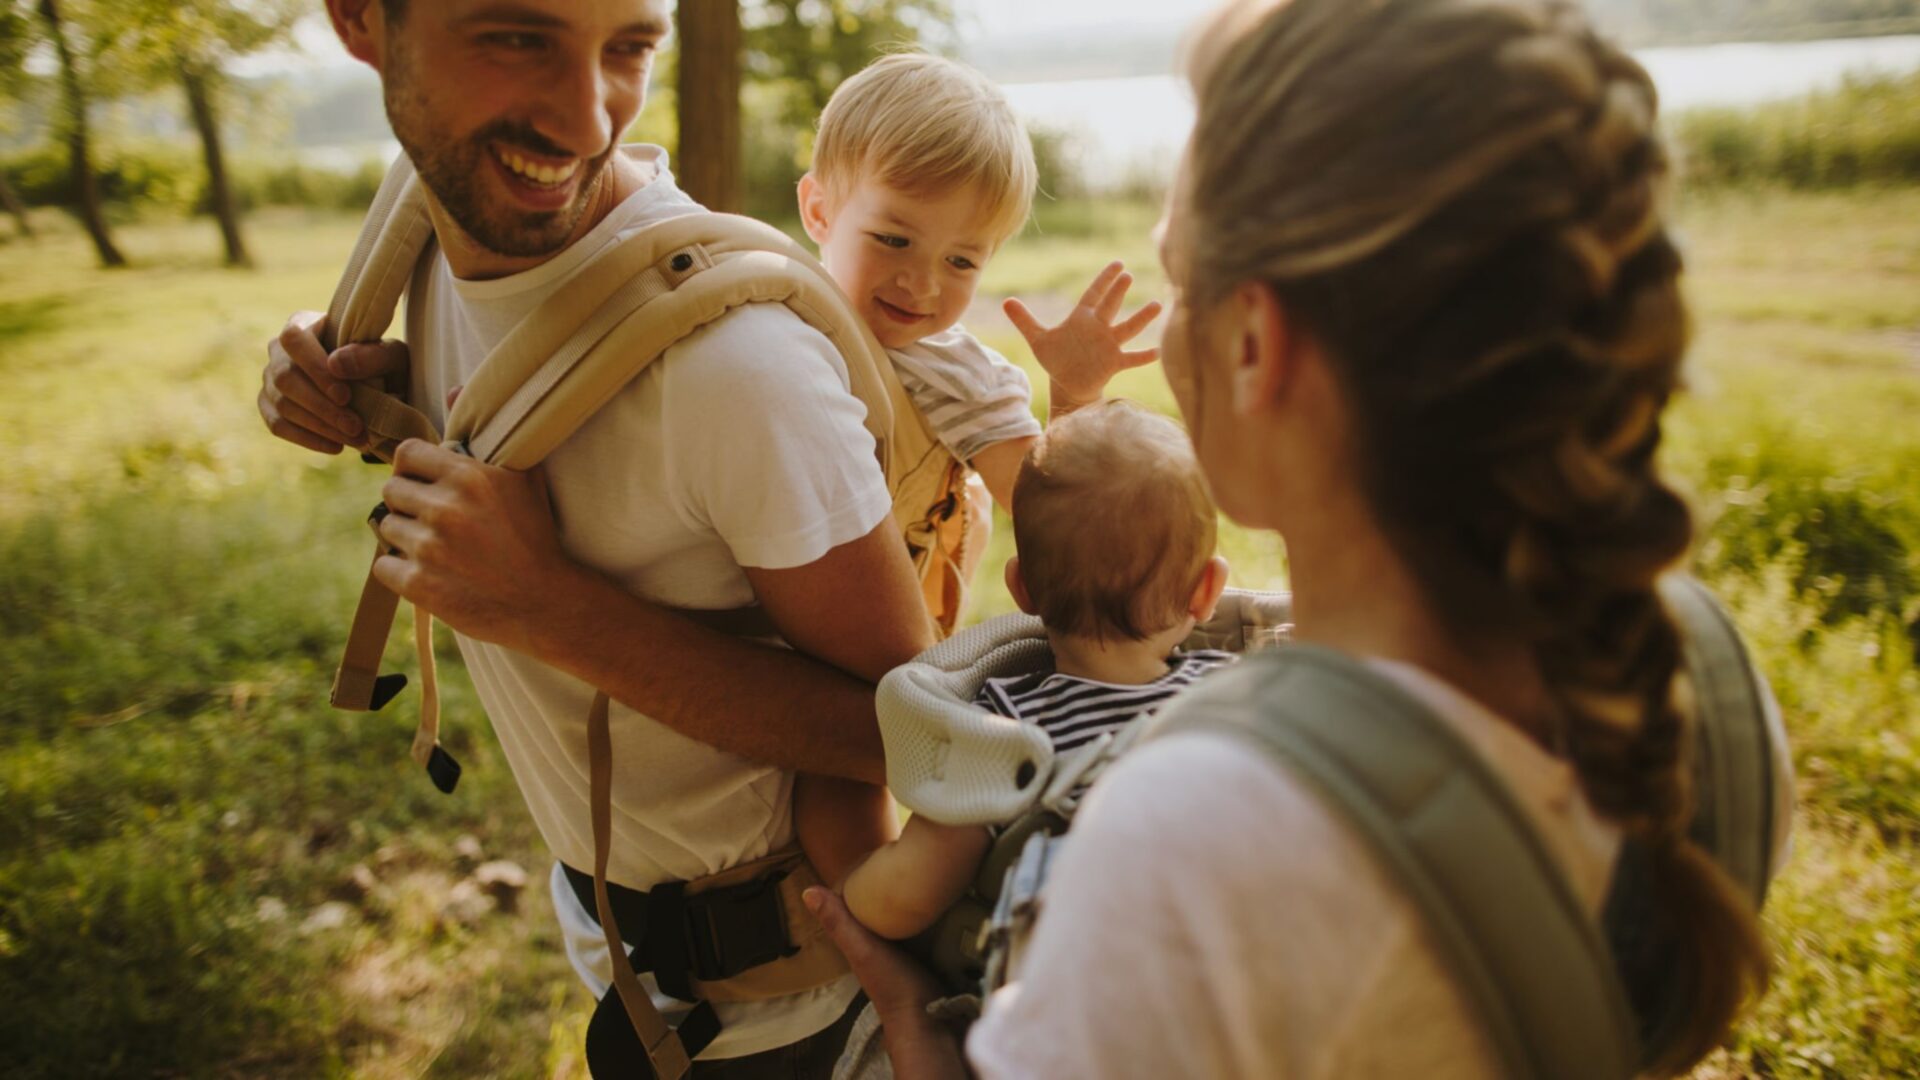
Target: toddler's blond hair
[1113,523]
[927,125]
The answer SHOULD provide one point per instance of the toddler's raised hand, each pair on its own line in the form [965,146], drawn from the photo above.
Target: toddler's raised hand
[1087,349]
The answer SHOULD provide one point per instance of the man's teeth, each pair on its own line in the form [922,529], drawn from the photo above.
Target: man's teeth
[536,172]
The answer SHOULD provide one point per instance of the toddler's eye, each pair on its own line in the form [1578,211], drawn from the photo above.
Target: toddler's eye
[890,240]
[961,262]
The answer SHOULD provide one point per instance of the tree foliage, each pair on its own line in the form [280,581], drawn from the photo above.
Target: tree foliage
[1733,20]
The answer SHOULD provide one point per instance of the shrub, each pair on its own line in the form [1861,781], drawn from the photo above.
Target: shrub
[1866,131]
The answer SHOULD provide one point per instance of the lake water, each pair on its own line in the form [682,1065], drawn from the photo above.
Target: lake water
[1133,126]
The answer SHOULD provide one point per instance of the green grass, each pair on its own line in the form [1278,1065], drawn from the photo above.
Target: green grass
[176,798]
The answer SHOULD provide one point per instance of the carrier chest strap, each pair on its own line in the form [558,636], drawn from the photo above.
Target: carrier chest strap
[1509,927]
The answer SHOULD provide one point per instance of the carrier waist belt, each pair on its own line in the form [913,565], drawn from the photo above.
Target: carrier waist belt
[712,935]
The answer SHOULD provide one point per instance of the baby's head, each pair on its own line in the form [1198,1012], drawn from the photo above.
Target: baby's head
[1115,529]
[921,171]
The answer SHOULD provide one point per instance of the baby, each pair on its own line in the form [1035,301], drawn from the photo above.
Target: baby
[921,171]
[1115,537]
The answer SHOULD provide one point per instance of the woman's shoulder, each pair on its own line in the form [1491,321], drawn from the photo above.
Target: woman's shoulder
[1225,897]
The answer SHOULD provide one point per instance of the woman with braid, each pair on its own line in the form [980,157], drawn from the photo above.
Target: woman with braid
[1428,318]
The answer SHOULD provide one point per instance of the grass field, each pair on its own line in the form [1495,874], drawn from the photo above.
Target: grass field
[206,871]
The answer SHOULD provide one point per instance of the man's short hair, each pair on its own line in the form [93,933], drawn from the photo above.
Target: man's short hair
[927,125]
[1113,522]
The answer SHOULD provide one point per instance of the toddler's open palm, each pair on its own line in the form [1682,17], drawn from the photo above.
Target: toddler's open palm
[1088,348]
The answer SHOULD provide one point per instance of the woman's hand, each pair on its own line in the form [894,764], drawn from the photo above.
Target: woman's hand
[1084,352]
[901,990]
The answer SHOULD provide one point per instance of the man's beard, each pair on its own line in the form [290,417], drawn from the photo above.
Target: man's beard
[455,172]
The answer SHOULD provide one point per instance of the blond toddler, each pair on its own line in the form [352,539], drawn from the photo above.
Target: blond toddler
[921,172]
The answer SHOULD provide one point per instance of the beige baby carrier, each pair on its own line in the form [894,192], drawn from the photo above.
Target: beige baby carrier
[740,935]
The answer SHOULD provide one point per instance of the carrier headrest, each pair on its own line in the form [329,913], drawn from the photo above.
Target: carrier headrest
[959,764]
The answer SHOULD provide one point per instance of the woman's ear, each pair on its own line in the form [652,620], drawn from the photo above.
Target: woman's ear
[361,26]
[814,213]
[1206,591]
[1266,352]
[1017,585]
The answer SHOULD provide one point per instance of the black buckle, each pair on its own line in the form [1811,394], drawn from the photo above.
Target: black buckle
[736,928]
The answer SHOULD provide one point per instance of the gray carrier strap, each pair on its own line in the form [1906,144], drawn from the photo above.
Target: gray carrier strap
[1528,954]
[1735,740]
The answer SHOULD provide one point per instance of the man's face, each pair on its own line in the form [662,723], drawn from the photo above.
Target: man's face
[511,109]
[909,262]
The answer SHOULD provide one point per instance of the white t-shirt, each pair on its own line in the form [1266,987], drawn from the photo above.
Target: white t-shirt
[1213,918]
[971,396]
[742,446]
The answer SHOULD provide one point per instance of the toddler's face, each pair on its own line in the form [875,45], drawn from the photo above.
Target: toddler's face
[909,262]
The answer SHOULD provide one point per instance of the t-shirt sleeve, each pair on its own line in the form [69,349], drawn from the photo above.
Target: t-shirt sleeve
[971,396]
[1209,917]
[765,444]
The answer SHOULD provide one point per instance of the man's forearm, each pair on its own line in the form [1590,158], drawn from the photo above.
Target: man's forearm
[763,703]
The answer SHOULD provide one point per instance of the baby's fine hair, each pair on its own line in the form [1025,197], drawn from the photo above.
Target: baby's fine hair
[1113,522]
[928,125]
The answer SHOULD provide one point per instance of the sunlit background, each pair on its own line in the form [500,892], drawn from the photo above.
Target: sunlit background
[205,871]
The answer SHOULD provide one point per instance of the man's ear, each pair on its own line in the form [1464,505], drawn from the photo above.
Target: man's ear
[361,26]
[1017,585]
[1267,352]
[1206,591]
[815,214]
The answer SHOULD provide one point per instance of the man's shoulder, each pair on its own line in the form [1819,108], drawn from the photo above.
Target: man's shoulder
[754,340]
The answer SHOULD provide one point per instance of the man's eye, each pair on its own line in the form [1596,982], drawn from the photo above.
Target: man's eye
[889,240]
[632,50]
[517,41]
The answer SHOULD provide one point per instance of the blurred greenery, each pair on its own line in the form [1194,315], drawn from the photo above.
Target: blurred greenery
[1866,131]
[179,806]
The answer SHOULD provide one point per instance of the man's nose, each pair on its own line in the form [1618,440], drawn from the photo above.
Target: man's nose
[576,114]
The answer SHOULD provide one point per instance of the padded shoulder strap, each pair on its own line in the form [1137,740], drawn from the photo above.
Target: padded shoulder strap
[567,359]
[1737,731]
[1530,957]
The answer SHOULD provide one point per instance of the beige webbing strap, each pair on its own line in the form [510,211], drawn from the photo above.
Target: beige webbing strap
[427,735]
[355,682]
[664,1048]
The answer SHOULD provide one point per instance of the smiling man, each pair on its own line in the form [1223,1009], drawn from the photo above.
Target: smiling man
[734,470]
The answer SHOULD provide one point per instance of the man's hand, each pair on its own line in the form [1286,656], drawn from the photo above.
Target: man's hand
[1086,350]
[304,391]
[474,544]
[900,989]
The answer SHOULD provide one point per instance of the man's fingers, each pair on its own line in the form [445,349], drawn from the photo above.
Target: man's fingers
[397,574]
[298,347]
[1102,282]
[1139,357]
[1023,320]
[368,360]
[402,533]
[323,420]
[290,389]
[405,495]
[283,428]
[1136,322]
[422,459]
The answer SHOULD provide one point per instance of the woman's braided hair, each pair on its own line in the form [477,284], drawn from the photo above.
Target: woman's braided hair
[1460,201]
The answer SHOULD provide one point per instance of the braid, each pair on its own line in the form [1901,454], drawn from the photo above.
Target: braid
[1501,304]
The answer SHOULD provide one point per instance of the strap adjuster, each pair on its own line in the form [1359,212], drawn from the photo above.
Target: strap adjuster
[736,928]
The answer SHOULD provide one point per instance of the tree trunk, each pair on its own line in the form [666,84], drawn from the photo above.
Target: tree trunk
[14,206]
[74,104]
[709,165]
[200,101]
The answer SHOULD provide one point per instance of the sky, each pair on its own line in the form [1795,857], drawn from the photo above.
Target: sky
[1012,17]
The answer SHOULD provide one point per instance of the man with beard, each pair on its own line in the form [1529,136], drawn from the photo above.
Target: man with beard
[734,470]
